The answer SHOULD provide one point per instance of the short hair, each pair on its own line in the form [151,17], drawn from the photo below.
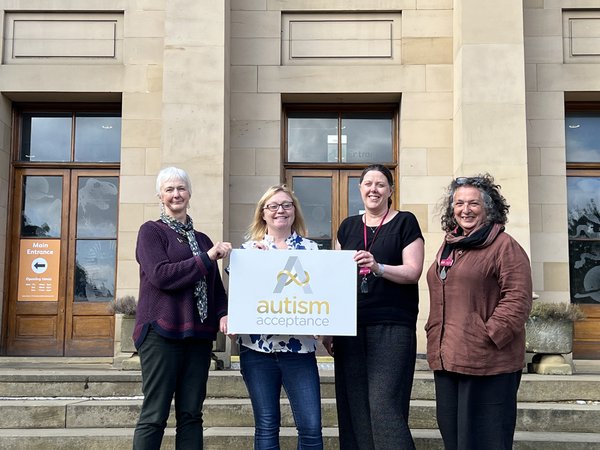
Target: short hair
[385,171]
[258,227]
[172,173]
[496,207]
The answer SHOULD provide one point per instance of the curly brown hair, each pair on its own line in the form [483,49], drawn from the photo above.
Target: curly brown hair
[495,204]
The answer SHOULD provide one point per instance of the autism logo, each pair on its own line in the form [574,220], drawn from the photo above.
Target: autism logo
[286,276]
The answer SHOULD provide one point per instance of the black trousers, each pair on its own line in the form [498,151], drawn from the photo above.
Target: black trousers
[172,367]
[373,380]
[476,412]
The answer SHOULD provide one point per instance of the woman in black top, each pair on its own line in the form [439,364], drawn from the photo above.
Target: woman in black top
[374,370]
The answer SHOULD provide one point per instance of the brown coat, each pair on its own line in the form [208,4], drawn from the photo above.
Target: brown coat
[477,315]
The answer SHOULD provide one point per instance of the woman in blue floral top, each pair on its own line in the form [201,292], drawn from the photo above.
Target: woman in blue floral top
[269,362]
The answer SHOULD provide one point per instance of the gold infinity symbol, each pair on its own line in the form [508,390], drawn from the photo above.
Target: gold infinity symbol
[294,278]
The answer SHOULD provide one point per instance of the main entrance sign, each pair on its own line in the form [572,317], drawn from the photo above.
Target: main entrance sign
[39,266]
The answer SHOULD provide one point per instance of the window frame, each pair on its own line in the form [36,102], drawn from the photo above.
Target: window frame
[392,108]
[68,108]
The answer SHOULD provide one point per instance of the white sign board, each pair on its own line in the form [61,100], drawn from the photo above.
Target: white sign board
[297,292]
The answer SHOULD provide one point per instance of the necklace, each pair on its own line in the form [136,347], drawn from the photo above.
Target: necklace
[364,271]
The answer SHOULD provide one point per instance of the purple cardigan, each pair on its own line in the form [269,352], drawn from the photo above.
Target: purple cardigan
[168,274]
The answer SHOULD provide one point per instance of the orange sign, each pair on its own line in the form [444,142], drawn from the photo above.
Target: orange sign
[39,266]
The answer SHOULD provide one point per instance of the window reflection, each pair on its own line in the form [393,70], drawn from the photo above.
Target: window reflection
[369,137]
[312,137]
[315,198]
[365,137]
[97,137]
[97,204]
[42,206]
[46,137]
[95,270]
[584,238]
[355,203]
[582,132]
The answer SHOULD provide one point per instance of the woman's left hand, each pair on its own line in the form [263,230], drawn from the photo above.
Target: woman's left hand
[365,259]
[223,325]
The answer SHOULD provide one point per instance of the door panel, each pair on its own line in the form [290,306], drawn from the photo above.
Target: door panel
[327,197]
[36,302]
[93,250]
[586,334]
[64,231]
[584,254]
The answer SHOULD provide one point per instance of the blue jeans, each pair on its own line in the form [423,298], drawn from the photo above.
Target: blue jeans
[264,374]
[172,367]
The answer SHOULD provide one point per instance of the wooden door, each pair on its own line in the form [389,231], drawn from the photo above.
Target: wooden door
[583,188]
[586,334]
[327,197]
[62,276]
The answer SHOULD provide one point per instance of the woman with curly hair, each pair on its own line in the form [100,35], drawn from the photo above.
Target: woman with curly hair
[480,293]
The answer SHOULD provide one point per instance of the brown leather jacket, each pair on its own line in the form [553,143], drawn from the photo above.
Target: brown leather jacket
[477,316]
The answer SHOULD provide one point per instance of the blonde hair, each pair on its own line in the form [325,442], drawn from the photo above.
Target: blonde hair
[258,227]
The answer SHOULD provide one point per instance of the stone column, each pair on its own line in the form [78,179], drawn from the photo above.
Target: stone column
[489,101]
[195,122]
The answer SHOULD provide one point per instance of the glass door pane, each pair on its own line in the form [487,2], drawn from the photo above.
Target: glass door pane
[95,270]
[584,238]
[96,244]
[315,196]
[42,205]
[355,203]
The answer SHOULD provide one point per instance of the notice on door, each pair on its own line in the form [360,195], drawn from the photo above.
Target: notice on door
[39,266]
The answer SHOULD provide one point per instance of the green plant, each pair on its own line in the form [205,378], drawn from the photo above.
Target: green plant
[556,311]
[124,305]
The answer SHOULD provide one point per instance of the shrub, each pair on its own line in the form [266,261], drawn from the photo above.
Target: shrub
[124,305]
[556,311]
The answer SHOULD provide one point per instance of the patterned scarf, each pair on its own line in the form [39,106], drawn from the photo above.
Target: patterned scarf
[187,231]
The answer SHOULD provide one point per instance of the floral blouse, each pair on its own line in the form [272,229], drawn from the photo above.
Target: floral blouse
[269,343]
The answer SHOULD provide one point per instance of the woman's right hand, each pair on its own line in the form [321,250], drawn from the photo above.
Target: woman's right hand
[328,344]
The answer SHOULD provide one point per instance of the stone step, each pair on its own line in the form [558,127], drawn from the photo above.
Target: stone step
[216,438]
[116,413]
[229,384]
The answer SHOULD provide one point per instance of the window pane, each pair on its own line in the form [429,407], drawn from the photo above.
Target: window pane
[315,199]
[97,203]
[583,197]
[42,206]
[582,132]
[584,238]
[355,203]
[95,270]
[46,137]
[312,137]
[584,271]
[367,137]
[97,137]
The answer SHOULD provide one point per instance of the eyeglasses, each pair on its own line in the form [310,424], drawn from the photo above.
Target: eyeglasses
[275,206]
[470,181]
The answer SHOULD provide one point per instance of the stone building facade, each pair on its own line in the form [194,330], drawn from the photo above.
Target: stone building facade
[466,87]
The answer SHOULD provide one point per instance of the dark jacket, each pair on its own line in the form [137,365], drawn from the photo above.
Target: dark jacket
[168,275]
[477,316]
